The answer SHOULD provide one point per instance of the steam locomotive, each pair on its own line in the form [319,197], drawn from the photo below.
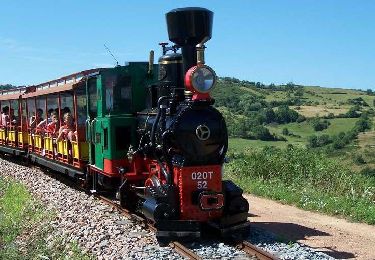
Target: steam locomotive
[147,132]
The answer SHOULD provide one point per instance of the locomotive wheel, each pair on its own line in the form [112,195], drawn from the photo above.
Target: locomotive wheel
[127,198]
[153,181]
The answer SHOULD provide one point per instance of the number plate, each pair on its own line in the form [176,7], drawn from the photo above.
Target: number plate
[202,178]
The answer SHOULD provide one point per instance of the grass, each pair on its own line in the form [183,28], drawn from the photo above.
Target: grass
[24,227]
[324,96]
[239,145]
[305,129]
[301,133]
[306,179]
[320,110]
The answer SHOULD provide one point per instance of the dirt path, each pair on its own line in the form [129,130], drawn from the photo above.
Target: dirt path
[333,236]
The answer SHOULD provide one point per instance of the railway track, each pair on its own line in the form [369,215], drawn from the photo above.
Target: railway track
[250,249]
[246,246]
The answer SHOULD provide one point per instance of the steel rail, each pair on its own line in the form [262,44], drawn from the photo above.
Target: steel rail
[184,251]
[255,251]
[178,247]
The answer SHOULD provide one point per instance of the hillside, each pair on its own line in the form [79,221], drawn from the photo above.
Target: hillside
[338,121]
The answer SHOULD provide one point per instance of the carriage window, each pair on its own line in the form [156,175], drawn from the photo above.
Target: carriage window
[66,99]
[24,112]
[52,104]
[4,106]
[30,110]
[66,106]
[40,107]
[81,105]
[14,119]
[4,111]
[38,114]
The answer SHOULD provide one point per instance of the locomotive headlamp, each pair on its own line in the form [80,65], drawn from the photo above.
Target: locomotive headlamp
[200,79]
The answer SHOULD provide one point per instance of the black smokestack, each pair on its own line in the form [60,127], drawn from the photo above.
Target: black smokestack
[188,27]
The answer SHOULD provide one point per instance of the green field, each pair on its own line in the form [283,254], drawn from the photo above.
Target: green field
[304,130]
[239,145]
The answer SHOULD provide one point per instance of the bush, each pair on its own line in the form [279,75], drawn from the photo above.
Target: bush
[285,131]
[368,172]
[363,124]
[255,106]
[352,113]
[330,116]
[318,141]
[262,133]
[301,119]
[358,159]
[285,115]
[320,125]
[269,115]
[358,102]
[340,140]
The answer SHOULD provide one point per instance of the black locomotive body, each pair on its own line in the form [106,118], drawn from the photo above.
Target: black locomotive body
[184,139]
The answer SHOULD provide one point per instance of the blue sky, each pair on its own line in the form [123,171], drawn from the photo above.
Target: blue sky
[327,43]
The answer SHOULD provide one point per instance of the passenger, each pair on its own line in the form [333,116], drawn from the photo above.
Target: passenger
[43,124]
[5,116]
[67,131]
[65,110]
[12,118]
[36,119]
[53,126]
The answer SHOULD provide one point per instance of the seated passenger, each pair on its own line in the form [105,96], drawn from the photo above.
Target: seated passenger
[67,131]
[12,118]
[65,110]
[53,127]
[5,116]
[36,119]
[45,122]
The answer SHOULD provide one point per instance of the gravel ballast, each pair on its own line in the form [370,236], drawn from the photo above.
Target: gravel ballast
[101,231]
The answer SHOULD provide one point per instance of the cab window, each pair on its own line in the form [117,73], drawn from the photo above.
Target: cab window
[118,94]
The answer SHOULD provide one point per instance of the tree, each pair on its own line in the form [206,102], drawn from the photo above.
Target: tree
[262,133]
[313,141]
[285,115]
[363,124]
[269,115]
[290,86]
[352,113]
[299,91]
[319,125]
